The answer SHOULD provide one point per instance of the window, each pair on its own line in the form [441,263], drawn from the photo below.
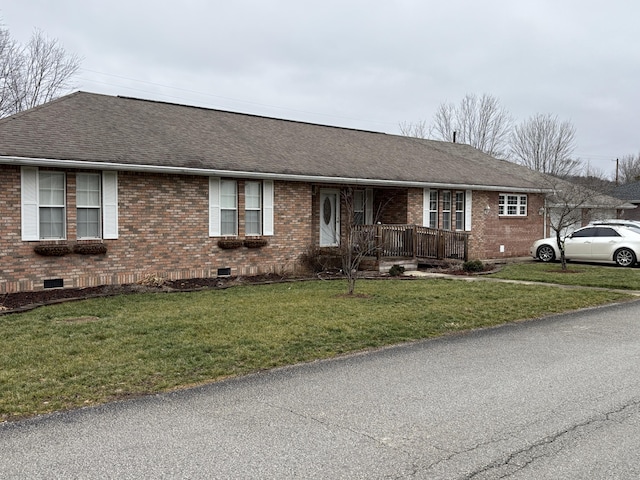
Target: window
[88,211]
[51,205]
[607,232]
[358,207]
[433,209]
[223,207]
[585,232]
[460,204]
[253,208]
[228,208]
[446,210]
[512,205]
[43,205]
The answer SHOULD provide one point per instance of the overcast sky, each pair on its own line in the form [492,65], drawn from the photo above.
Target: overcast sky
[367,64]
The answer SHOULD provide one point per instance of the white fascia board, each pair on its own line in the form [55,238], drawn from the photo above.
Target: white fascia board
[122,167]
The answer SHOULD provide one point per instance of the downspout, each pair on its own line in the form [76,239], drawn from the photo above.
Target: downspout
[544,219]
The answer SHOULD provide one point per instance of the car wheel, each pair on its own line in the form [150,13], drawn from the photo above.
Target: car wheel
[546,253]
[625,257]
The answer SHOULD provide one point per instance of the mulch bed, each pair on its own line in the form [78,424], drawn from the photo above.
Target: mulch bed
[23,301]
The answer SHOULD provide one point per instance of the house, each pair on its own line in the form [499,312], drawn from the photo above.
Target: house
[629,192]
[99,190]
[573,204]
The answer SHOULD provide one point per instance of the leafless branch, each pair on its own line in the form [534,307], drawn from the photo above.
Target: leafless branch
[33,74]
[546,145]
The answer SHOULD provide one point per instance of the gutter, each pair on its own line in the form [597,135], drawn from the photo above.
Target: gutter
[207,172]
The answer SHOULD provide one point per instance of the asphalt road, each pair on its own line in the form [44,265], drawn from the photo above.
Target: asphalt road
[555,398]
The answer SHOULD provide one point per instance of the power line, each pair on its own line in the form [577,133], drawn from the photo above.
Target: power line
[206,94]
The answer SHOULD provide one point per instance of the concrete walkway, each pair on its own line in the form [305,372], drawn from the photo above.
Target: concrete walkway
[485,278]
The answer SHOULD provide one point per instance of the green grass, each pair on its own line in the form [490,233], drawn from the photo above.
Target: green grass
[576,274]
[81,353]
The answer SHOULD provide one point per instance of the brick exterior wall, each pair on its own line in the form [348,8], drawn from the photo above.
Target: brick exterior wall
[489,231]
[163,231]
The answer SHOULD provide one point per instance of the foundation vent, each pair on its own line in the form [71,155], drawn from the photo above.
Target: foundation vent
[54,283]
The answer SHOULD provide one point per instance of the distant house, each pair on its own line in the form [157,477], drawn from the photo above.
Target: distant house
[631,193]
[109,190]
[572,205]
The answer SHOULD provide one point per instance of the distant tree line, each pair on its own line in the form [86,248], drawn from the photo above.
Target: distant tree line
[542,142]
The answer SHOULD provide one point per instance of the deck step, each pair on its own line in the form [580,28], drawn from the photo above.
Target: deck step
[409,264]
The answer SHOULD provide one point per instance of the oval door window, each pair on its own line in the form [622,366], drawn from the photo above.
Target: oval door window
[327,211]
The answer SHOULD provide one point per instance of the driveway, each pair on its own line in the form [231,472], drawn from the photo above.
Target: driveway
[553,398]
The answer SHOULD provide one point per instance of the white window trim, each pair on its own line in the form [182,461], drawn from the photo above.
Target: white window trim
[518,205]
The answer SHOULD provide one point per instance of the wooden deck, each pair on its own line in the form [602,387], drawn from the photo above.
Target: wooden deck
[415,242]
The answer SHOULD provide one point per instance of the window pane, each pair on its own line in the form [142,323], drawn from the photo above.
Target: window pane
[88,223]
[51,222]
[51,188]
[433,200]
[446,200]
[252,195]
[252,220]
[88,190]
[228,194]
[228,222]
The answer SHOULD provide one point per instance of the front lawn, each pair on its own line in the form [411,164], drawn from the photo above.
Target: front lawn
[605,276]
[93,351]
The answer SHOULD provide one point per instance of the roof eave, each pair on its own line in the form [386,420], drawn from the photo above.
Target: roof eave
[209,172]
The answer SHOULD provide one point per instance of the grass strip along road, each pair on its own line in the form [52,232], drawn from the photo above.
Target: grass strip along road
[93,351]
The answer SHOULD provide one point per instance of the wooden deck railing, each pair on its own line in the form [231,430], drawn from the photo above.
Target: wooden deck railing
[414,241]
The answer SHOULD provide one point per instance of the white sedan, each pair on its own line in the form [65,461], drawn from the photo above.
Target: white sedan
[594,243]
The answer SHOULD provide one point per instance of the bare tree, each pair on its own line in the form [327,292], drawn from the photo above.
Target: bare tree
[359,236]
[629,169]
[33,74]
[546,145]
[570,204]
[478,121]
[358,241]
[7,64]
[418,129]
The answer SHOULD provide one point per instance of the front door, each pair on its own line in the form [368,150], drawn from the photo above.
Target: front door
[329,218]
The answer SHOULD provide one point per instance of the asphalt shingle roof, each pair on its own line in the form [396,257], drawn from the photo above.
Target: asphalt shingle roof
[628,191]
[107,129]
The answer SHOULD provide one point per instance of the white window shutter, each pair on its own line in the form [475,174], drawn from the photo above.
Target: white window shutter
[110,205]
[214,207]
[267,206]
[426,197]
[29,200]
[468,202]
